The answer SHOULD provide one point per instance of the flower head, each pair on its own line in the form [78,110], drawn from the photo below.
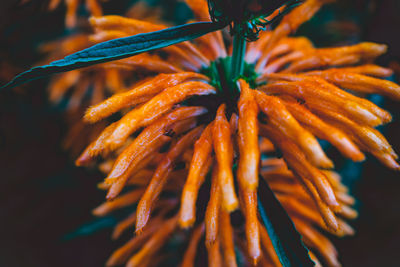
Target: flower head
[191,120]
[201,122]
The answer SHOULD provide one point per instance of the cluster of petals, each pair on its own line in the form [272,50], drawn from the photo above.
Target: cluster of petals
[79,89]
[162,143]
[72,6]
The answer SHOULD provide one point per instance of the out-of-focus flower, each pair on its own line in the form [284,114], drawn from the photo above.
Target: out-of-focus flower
[102,80]
[188,117]
[92,85]
[395,66]
[84,87]
[71,19]
[7,70]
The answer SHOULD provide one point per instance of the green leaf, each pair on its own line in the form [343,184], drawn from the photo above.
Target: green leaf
[286,240]
[92,227]
[118,49]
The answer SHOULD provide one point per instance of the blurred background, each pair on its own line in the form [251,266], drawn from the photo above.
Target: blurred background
[46,202]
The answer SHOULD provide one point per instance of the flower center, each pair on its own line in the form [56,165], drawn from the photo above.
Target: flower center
[220,73]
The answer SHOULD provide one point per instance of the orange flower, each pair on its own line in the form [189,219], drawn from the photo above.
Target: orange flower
[93,6]
[218,231]
[183,125]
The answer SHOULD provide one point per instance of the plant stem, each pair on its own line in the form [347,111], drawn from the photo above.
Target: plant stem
[239,49]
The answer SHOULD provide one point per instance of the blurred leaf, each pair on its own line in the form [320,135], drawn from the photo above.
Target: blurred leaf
[91,227]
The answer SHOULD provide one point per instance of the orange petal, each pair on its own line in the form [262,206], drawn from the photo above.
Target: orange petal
[223,148]
[154,109]
[248,138]
[198,169]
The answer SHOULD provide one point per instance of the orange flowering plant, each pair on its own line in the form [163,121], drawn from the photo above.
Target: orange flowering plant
[225,142]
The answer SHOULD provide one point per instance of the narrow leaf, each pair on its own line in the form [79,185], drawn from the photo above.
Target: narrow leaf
[286,240]
[118,49]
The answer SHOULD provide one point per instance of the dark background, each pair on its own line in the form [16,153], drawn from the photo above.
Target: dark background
[45,202]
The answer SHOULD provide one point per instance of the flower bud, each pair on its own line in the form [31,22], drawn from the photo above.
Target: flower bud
[247,17]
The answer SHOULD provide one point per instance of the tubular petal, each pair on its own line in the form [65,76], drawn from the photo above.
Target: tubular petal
[154,109]
[325,131]
[226,237]
[149,136]
[281,118]
[130,97]
[190,253]
[198,169]
[249,199]
[213,210]
[160,177]
[223,148]
[248,138]
[154,243]
[296,161]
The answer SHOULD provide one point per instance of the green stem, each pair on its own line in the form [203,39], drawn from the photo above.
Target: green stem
[239,49]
